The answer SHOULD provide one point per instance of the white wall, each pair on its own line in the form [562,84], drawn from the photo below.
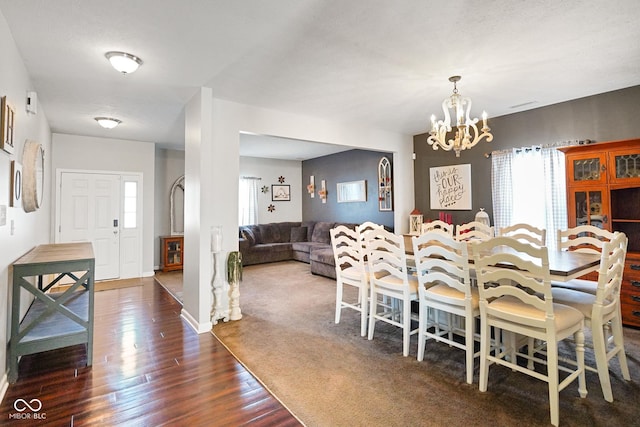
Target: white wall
[270,170]
[104,154]
[30,229]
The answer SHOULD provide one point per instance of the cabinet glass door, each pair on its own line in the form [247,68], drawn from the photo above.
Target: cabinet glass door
[590,207]
[626,166]
[588,169]
[175,255]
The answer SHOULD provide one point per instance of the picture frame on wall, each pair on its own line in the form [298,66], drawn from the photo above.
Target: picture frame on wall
[7,125]
[280,193]
[16,184]
[450,187]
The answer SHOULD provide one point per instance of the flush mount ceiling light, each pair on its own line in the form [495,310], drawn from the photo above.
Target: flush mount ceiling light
[108,122]
[467,134]
[124,62]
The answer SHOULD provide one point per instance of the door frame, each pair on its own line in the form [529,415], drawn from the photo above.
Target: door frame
[139,205]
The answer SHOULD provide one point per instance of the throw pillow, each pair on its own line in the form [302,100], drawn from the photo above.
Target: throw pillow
[298,234]
[247,234]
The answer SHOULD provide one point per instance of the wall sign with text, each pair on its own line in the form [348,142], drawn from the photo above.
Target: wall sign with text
[450,187]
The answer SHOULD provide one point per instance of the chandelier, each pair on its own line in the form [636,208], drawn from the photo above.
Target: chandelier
[467,134]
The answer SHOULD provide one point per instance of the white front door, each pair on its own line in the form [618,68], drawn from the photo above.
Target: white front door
[90,212]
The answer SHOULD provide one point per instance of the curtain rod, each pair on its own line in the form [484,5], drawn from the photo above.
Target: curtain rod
[539,147]
[250,177]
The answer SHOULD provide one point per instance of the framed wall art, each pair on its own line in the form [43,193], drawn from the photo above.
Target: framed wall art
[280,193]
[450,187]
[354,191]
[7,124]
[16,184]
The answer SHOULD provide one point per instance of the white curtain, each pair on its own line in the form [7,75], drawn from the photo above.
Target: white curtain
[248,201]
[528,185]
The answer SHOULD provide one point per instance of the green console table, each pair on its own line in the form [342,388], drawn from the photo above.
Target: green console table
[54,319]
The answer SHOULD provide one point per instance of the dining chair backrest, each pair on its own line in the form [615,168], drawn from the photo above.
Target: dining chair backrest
[525,233]
[363,228]
[385,252]
[527,278]
[583,238]
[442,259]
[610,273]
[437,225]
[474,230]
[347,252]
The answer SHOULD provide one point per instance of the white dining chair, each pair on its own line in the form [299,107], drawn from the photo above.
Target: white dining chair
[515,296]
[444,285]
[525,233]
[474,230]
[437,225]
[602,312]
[586,239]
[389,277]
[350,270]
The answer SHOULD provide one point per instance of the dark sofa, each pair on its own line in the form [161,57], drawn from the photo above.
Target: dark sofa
[308,242]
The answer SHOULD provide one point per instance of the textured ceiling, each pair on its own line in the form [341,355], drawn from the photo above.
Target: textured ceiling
[376,62]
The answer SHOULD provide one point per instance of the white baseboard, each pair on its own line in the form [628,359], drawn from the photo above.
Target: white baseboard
[195,325]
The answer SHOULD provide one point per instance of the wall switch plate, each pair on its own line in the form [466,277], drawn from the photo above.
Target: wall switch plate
[3,215]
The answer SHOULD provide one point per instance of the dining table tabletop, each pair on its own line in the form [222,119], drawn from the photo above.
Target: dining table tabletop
[563,265]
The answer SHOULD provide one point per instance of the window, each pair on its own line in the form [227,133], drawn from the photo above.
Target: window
[528,185]
[130,204]
[248,201]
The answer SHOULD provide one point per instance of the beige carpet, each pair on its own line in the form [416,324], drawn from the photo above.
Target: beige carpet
[329,376]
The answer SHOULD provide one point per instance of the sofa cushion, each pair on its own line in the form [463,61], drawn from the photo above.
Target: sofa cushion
[309,225]
[267,232]
[308,246]
[321,232]
[271,247]
[324,256]
[298,234]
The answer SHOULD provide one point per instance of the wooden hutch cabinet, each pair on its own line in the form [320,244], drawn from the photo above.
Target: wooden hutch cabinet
[172,252]
[603,189]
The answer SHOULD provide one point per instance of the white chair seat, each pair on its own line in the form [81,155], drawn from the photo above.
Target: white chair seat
[392,281]
[449,295]
[352,273]
[581,285]
[579,300]
[512,307]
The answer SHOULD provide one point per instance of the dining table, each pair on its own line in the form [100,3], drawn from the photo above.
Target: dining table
[563,265]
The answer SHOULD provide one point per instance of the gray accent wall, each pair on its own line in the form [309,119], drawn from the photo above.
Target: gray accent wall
[353,165]
[605,117]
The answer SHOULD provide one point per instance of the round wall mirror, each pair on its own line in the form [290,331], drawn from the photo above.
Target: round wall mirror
[32,175]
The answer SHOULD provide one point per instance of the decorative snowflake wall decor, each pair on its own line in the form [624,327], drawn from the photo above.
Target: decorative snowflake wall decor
[271,208]
[281,179]
[265,189]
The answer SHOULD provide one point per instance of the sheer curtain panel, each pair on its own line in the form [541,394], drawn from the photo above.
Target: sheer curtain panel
[528,186]
[248,201]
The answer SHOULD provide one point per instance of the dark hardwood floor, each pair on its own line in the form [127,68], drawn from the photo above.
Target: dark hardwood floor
[149,369]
